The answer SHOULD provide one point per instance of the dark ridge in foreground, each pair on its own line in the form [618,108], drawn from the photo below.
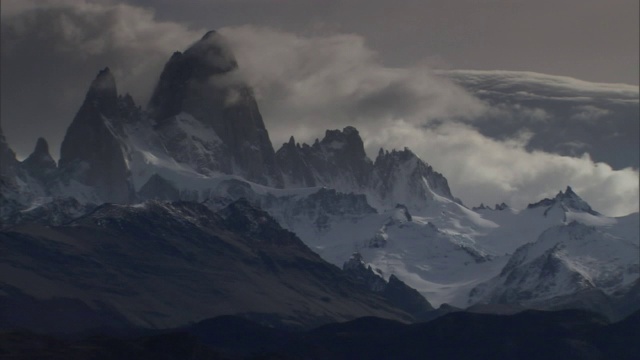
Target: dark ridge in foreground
[569,334]
[162,265]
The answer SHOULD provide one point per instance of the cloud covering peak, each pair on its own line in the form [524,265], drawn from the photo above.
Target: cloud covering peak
[484,130]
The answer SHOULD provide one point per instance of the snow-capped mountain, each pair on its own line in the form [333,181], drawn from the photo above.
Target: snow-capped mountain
[339,161]
[92,153]
[566,260]
[445,250]
[201,82]
[202,139]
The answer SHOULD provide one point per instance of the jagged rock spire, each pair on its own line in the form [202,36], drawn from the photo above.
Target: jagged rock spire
[338,157]
[202,83]
[103,93]
[339,161]
[40,162]
[566,200]
[91,152]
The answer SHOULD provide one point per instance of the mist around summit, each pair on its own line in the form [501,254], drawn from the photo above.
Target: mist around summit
[552,127]
[263,193]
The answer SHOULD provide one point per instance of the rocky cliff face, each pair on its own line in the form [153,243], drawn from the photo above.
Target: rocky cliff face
[202,82]
[402,177]
[9,190]
[339,161]
[8,161]
[91,151]
[40,164]
[394,291]
[202,121]
[567,200]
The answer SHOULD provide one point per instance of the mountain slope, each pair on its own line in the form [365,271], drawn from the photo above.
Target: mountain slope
[567,262]
[163,265]
[202,139]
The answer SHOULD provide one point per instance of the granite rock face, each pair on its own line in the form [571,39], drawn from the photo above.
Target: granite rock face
[202,82]
[40,164]
[403,177]
[91,152]
[293,163]
[339,161]
[395,291]
[8,161]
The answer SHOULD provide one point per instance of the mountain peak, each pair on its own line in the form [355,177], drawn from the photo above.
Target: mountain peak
[568,200]
[201,83]
[349,136]
[209,35]
[187,73]
[41,153]
[347,142]
[42,147]
[501,206]
[356,261]
[567,194]
[350,130]
[399,155]
[103,94]
[91,149]
[40,164]
[402,169]
[104,81]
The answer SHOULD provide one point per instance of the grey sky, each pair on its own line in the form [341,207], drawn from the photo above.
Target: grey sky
[593,40]
[318,64]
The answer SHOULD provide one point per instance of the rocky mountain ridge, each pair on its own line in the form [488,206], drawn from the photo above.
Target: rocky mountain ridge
[202,140]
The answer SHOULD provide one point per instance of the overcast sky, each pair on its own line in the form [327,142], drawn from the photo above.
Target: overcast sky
[587,39]
[318,64]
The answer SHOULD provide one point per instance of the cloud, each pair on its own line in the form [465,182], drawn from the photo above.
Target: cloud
[52,50]
[307,84]
[560,111]
[480,169]
[589,113]
[128,38]
[538,85]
